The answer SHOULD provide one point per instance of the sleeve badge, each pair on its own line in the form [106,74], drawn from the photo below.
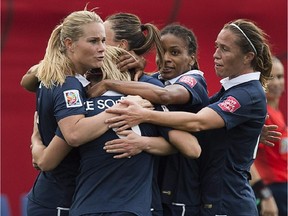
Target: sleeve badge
[190,81]
[230,104]
[72,98]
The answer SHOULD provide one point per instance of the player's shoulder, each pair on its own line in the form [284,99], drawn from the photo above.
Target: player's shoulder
[150,79]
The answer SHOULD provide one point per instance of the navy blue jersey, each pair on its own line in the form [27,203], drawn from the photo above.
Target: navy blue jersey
[55,188]
[180,179]
[230,151]
[151,80]
[195,84]
[156,198]
[106,184]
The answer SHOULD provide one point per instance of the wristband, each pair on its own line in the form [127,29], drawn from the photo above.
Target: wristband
[261,190]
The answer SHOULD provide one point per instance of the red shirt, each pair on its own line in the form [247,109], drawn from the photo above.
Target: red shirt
[271,162]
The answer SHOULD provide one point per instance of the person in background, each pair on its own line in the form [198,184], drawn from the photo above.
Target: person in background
[233,122]
[271,162]
[266,204]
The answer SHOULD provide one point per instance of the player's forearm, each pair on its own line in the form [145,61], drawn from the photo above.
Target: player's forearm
[29,81]
[49,157]
[153,93]
[178,120]
[37,149]
[186,143]
[158,146]
[205,119]
[40,158]
[85,129]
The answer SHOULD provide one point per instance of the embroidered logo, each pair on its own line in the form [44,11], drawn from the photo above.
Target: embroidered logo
[229,105]
[72,98]
[191,81]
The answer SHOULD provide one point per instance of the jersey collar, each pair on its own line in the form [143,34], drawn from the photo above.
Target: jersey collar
[172,81]
[229,83]
[82,80]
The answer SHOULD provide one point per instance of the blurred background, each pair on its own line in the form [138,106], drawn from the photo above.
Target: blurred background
[25,29]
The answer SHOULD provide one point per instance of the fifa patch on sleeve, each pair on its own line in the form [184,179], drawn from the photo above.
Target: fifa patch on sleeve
[190,81]
[72,98]
[229,105]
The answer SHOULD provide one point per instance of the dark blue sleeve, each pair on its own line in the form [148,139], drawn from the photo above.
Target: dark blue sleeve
[239,105]
[151,80]
[69,99]
[59,133]
[196,86]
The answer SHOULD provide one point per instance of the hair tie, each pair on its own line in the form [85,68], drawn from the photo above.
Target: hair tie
[143,27]
[251,44]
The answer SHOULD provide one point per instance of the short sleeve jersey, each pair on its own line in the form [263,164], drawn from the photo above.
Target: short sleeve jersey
[55,188]
[230,151]
[180,178]
[156,197]
[106,184]
[127,191]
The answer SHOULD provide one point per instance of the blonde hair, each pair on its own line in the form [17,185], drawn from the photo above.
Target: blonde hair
[109,67]
[56,65]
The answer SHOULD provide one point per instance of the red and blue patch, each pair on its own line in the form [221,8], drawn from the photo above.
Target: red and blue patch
[190,81]
[229,105]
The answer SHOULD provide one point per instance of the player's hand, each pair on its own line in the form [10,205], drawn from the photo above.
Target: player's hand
[128,117]
[35,135]
[35,139]
[269,207]
[269,135]
[139,100]
[97,89]
[128,145]
[128,62]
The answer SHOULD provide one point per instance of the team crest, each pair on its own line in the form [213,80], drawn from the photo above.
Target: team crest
[72,98]
[229,105]
[190,81]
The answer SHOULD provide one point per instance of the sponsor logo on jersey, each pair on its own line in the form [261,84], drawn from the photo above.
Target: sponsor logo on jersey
[229,105]
[190,81]
[72,98]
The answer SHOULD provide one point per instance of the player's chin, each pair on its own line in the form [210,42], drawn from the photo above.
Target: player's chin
[98,64]
[166,75]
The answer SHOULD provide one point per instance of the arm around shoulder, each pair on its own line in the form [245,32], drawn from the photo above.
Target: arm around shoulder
[29,81]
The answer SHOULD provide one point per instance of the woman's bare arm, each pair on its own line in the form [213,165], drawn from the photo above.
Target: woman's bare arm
[47,158]
[131,144]
[133,114]
[29,81]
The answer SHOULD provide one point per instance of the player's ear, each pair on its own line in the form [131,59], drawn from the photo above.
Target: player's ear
[248,58]
[124,44]
[192,60]
[69,44]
